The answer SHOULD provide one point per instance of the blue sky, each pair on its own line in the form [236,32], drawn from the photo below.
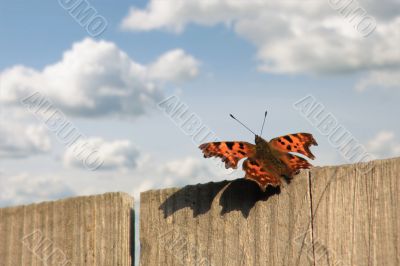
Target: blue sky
[218,57]
[224,57]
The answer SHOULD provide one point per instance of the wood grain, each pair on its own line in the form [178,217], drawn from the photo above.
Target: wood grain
[356,214]
[227,224]
[343,215]
[94,230]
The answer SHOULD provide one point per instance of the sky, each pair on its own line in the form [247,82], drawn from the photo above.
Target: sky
[104,67]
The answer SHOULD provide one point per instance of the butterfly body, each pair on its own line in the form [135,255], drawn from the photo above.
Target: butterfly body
[267,161]
[265,151]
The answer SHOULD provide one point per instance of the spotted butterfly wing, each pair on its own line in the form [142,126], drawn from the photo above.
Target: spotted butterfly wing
[266,161]
[231,152]
[294,163]
[258,171]
[297,143]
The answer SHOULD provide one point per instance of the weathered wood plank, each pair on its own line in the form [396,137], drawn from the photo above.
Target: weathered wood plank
[227,224]
[356,214]
[94,230]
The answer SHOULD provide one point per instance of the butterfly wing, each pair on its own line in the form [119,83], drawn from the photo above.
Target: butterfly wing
[294,163]
[298,142]
[231,152]
[257,170]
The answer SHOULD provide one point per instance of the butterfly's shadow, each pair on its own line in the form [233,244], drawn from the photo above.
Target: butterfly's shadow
[237,195]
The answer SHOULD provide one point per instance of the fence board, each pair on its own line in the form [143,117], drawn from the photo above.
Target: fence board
[356,214]
[227,224]
[94,230]
[344,215]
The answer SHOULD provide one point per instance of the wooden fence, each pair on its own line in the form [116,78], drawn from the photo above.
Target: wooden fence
[94,230]
[344,215]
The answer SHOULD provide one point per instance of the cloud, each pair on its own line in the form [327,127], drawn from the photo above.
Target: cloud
[96,78]
[182,171]
[185,169]
[316,37]
[25,188]
[175,172]
[21,141]
[384,144]
[174,66]
[386,79]
[115,155]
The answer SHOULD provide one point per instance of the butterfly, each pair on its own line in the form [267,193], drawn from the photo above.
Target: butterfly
[267,161]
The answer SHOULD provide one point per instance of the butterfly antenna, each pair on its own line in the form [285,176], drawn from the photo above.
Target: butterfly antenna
[242,124]
[262,127]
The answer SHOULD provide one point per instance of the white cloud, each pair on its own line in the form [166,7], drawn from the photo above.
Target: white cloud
[25,188]
[175,66]
[186,169]
[20,141]
[313,37]
[174,15]
[96,78]
[176,172]
[384,144]
[182,171]
[386,79]
[115,155]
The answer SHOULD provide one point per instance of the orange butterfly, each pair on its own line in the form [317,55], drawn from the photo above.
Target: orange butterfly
[267,161]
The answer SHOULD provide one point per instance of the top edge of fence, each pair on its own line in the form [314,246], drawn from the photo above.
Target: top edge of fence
[124,196]
[173,189]
[349,165]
